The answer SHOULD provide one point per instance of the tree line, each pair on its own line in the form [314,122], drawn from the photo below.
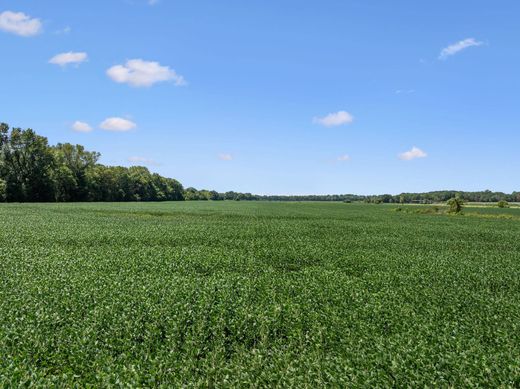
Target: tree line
[486,196]
[403,198]
[194,194]
[31,170]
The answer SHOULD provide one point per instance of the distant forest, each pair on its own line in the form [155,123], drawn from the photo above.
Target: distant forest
[31,170]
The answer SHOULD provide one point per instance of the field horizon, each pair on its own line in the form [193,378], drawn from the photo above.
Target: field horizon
[142,240]
[257,294]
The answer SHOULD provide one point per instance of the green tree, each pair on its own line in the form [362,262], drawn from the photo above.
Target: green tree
[26,164]
[503,204]
[214,195]
[31,170]
[3,190]
[455,205]
[65,184]
[73,162]
[230,195]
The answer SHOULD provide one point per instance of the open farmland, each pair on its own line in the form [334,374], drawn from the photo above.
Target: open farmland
[257,294]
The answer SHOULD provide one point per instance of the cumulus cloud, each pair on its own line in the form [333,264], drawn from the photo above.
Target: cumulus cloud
[142,161]
[334,119]
[117,124]
[225,157]
[343,158]
[139,73]
[64,59]
[457,47]
[19,23]
[413,153]
[81,126]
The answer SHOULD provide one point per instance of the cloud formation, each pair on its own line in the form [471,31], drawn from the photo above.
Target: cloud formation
[334,119]
[139,73]
[64,31]
[142,161]
[343,158]
[404,91]
[457,47]
[65,59]
[225,157]
[117,124]
[81,126]
[413,153]
[19,23]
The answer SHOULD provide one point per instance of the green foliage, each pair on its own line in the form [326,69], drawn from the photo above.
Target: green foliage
[421,210]
[424,210]
[455,205]
[71,175]
[503,204]
[242,294]
[26,165]
[31,170]
[443,196]
[3,190]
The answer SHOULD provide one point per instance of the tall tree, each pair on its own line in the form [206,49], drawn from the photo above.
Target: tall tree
[71,177]
[27,166]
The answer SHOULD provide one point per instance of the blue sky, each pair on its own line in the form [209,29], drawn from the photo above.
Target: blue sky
[275,97]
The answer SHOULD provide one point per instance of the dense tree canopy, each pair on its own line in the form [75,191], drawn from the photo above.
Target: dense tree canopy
[32,170]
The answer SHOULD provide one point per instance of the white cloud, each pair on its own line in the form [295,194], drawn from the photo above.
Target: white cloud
[63,31]
[459,46]
[117,124]
[81,126]
[19,23]
[139,73]
[335,119]
[142,161]
[413,153]
[64,59]
[404,91]
[343,158]
[225,157]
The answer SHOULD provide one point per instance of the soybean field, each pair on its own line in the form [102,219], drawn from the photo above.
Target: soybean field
[258,294]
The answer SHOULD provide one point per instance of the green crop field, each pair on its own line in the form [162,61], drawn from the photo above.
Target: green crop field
[256,294]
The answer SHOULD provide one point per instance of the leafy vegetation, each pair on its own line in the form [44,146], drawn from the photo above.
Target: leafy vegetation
[503,204]
[257,294]
[33,171]
[486,196]
[455,205]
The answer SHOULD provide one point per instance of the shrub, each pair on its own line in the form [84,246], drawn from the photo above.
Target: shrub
[503,204]
[428,210]
[455,205]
